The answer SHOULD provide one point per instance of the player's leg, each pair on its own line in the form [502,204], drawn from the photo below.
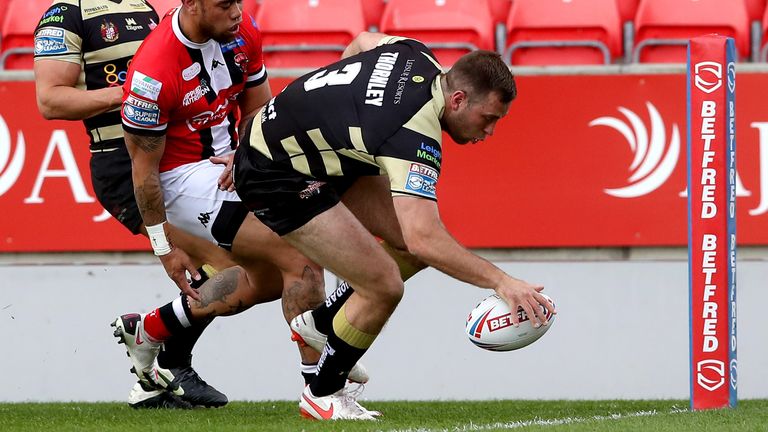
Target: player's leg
[144,335]
[370,201]
[176,355]
[302,280]
[113,186]
[196,205]
[364,264]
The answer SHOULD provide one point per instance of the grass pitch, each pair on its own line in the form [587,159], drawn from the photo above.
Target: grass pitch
[750,415]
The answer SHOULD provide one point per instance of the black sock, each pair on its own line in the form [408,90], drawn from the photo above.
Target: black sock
[177,352]
[308,372]
[324,314]
[334,366]
[178,349]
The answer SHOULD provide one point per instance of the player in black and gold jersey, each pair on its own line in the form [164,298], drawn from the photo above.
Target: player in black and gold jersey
[352,151]
[82,52]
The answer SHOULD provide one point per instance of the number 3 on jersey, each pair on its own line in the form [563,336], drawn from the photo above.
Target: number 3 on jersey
[335,77]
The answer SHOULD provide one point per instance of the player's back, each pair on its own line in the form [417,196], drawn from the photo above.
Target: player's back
[348,108]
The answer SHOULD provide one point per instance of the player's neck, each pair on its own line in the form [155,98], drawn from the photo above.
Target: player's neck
[190,29]
[446,93]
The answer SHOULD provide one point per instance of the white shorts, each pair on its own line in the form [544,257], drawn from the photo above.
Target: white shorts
[194,203]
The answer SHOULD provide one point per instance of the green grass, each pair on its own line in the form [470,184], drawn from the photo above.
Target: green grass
[751,415]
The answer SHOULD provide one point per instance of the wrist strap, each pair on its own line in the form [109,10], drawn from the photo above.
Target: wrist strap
[157,238]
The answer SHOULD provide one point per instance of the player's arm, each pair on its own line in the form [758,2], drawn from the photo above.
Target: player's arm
[363,42]
[427,238]
[58,97]
[251,101]
[146,152]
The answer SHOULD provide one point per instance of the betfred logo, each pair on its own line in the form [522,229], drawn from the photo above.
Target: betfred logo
[710,374]
[500,322]
[654,159]
[708,76]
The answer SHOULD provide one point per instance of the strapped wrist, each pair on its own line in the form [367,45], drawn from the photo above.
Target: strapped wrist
[160,244]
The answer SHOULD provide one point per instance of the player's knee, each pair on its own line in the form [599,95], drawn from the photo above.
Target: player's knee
[391,287]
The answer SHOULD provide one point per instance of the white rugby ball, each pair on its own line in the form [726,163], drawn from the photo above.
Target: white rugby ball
[489,326]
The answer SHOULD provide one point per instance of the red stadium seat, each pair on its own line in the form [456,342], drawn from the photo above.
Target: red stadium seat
[451,28]
[763,57]
[500,10]
[307,33]
[17,32]
[755,9]
[548,32]
[663,27]
[372,11]
[627,9]
[163,6]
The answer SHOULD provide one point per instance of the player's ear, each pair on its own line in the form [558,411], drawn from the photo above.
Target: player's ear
[456,99]
[191,5]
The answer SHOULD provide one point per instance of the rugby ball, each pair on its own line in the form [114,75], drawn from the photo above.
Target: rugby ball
[489,326]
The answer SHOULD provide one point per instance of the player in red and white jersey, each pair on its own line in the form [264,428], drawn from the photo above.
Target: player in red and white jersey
[193,100]
[179,113]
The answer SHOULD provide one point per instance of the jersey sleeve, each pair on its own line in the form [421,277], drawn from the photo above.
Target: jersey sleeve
[255,68]
[148,95]
[412,163]
[59,34]
[413,44]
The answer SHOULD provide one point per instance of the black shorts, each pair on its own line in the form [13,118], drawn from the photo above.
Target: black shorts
[282,198]
[113,185]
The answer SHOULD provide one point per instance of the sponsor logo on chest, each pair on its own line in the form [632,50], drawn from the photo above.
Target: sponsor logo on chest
[195,94]
[132,25]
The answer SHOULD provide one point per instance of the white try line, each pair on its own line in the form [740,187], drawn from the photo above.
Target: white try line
[542,422]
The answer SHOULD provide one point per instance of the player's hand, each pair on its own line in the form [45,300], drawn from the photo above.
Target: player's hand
[177,264]
[518,293]
[226,182]
[115,96]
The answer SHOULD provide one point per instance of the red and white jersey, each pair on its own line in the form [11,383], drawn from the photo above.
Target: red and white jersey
[188,91]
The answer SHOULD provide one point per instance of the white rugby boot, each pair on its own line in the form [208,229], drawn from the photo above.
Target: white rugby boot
[141,398]
[337,406]
[143,353]
[303,331]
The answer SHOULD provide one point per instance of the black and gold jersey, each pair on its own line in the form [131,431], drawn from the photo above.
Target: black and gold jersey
[375,113]
[101,36]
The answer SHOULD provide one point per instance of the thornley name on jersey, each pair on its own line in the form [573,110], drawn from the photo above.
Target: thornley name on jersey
[379,78]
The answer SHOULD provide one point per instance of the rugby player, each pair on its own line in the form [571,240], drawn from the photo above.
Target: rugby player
[82,52]
[354,150]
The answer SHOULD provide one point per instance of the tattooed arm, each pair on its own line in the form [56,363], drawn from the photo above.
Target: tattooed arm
[146,152]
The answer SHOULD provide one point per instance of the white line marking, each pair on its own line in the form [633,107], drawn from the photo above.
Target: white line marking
[543,422]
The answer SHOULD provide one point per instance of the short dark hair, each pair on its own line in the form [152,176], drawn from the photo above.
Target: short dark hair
[483,72]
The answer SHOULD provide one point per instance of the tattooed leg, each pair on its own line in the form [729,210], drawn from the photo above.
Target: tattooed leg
[232,291]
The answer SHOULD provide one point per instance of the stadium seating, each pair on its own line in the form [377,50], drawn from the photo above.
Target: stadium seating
[372,10]
[307,33]
[163,6]
[17,28]
[755,9]
[627,9]
[549,32]
[663,27]
[451,28]
[500,10]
